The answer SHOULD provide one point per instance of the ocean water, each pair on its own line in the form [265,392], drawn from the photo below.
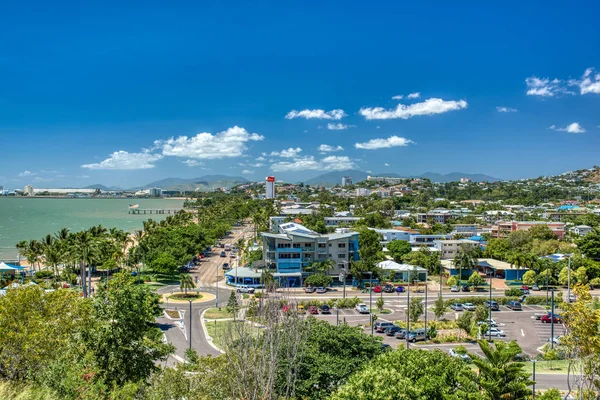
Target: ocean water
[24,218]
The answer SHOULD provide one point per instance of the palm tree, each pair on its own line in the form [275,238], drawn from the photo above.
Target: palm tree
[186,282]
[85,247]
[464,259]
[499,377]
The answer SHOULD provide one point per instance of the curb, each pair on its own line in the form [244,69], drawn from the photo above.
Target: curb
[206,335]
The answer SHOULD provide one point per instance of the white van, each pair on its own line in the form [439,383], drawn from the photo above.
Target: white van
[227,247]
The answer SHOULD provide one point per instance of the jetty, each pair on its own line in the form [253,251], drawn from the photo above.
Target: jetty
[154,210]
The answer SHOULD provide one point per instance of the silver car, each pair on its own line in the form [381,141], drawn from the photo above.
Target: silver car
[469,306]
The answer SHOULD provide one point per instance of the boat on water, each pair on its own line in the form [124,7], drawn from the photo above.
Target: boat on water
[133,206]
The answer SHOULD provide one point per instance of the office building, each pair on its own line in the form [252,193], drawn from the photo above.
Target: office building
[270,187]
[296,247]
[154,192]
[28,191]
[346,180]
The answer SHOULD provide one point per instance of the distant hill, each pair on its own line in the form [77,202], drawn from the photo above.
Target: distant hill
[101,187]
[203,183]
[335,177]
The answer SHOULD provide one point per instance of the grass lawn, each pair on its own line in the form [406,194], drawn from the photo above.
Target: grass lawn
[223,331]
[215,313]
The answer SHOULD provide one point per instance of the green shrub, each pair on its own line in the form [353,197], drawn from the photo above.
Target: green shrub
[45,274]
[513,292]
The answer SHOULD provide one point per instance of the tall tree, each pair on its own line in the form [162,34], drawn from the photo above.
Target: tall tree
[464,259]
[186,282]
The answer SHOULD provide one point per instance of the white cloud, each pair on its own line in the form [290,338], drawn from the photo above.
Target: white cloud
[289,153]
[398,97]
[377,127]
[386,164]
[571,128]
[260,158]
[193,163]
[428,107]
[392,141]
[257,165]
[325,148]
[123,160]
[247,171]
[83,177]
[316,114]
[589,82]
[338,126]
[414,95]
[27,173]
[228,143]
[544,87]
[506,109]
[330,163]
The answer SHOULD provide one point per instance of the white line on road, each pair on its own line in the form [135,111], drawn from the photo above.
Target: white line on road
[522,333]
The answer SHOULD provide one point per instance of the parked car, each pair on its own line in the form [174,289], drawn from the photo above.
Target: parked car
[417,335]
[555,340]
[572,298]
[391,330]
[468,307]
[385,347]
[321,290]
[389,288]
[223,254]
[491,322]
[362,308]
[313,310]
[232,255]
[245,289]
[400,289]
[549,318]
[380,327]
[225,266]
[514,305]
[401,334]
[495,332]
[493,305]
[377,289]
[309,289]
[465,288]
[325,309]
[462,356]
[454,289]
[456,306]
[524,291]
[535,288]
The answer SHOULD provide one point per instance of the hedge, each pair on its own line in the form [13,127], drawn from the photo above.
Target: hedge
[532,300]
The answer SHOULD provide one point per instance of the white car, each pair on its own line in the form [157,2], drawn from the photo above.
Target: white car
[245,289]
[495,332]
[464,357]
[572,298]
[555,340]
[491,322]
[454,289]
[468,307]
[362,308]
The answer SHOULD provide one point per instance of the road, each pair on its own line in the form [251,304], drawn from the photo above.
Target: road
[207,274]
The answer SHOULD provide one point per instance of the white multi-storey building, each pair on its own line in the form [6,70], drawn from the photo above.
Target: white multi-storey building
[270,187]
[449,248]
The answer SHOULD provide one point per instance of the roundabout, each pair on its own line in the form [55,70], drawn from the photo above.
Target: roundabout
[181,297]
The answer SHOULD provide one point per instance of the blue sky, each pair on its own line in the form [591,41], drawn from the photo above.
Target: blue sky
[124,95]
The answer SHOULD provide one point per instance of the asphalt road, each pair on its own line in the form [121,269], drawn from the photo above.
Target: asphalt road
[206,275]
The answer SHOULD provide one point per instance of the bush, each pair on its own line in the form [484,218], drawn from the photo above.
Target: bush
[452,281]
[595,282]
[513,292]
[318,280]
[45,274]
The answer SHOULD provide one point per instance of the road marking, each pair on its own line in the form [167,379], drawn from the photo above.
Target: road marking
[522,333]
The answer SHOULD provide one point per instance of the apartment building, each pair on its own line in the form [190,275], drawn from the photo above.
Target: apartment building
[438,216]
[450,248]
[418,240]
[334,222]
[503,228]
[296,247]
[466,229]
[581,230]
[386,179]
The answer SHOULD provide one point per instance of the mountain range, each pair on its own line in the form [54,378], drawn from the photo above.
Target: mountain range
[335,177]
[203,183]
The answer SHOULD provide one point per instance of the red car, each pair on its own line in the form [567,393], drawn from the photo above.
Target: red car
[377,289]
[547,319]
[313,310]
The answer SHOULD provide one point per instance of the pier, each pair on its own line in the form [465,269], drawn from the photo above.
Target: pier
[154,210]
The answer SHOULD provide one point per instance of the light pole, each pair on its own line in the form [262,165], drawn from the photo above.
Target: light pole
[552,323]
[217,291]
[190,334]
[426,311]
[569,280]
[371,299]
[491,272]
[533,392]
[407,315]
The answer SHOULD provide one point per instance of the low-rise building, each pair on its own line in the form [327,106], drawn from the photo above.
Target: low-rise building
[581,230]
[296,247]
[439,216]
[450,248]
[503,228]
[406,272]
[337,221]
[363,192]
[418,240]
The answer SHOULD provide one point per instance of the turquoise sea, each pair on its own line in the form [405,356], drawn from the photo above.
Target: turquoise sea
[24,218]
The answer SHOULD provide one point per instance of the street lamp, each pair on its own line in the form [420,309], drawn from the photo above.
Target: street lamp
[491,273]
[569,279]
[407,315]
[190,334]
[533,391]
[371,298]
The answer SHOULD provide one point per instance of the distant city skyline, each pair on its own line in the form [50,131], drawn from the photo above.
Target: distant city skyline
[295,90]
